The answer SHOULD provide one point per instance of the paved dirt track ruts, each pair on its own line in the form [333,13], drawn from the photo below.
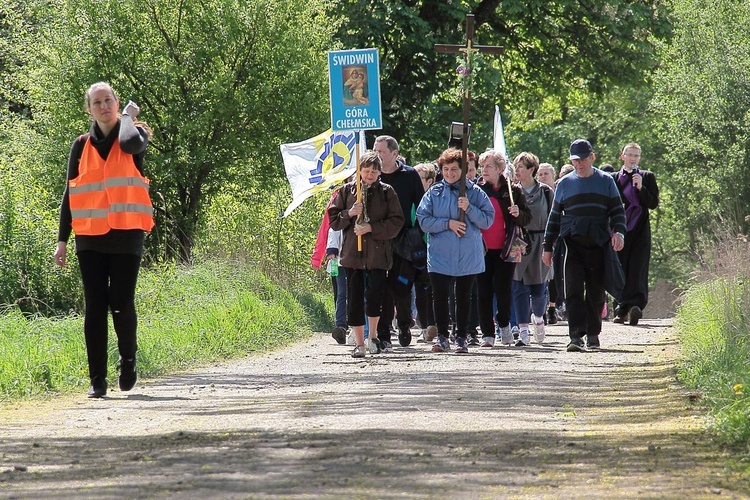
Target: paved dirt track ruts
[309,421]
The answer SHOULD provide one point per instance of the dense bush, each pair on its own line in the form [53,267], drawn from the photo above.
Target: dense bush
[28,234]
[248,227]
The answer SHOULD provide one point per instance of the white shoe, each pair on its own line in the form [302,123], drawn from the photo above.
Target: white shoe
[350,339]
[431,333]
[422,339]
[506,337]
[371,346]
[488,341]
[523,338]
[538,328]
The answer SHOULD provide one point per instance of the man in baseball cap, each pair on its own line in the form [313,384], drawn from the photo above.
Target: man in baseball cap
[586,226]
[580,149]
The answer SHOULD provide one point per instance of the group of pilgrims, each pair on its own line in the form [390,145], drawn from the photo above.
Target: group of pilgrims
[489,255]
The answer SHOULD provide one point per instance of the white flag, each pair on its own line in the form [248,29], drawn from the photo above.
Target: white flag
[498,142]
[314,165]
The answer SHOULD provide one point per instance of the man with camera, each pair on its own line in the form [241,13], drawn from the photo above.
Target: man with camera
[639,194]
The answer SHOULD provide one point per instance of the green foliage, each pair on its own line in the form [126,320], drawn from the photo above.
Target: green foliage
[248,228]
[28,229]
[222,84]
[714,326]
[553,49]
[187,316]
[713,323]
[702,97]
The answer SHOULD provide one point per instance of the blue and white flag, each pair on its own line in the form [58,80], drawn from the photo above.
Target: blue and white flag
[314,165]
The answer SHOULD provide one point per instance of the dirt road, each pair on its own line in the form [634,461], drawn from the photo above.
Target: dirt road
[311,422]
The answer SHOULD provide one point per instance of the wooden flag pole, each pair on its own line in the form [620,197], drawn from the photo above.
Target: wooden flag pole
[359,189]
[510,191]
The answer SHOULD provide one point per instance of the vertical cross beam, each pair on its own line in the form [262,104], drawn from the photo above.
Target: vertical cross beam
[467,49]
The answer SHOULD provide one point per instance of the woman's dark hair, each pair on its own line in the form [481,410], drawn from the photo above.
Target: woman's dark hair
[370,160]
[529,161]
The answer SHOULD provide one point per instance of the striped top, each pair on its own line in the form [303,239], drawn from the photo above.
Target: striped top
[585,209]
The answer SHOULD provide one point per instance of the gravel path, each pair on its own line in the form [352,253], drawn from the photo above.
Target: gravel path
[311,422]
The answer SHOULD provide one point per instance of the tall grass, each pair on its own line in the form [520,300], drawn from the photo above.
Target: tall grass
[188,316]
[713,323]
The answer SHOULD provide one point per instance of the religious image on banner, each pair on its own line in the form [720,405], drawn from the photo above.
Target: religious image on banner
[314,165]
[355,89]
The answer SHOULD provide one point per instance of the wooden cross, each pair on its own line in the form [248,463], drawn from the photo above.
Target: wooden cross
[468,49]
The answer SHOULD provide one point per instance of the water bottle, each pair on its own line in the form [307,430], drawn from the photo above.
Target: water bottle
[334,266]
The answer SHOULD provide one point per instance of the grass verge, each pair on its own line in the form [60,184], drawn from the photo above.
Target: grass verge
[713,326]
[188,316]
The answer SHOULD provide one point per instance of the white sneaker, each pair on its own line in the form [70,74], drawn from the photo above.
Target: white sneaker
[350,339]
[506,337]
[523,338]
[431,333]
[422,339]
[488,341]
[538,328]
[371,346]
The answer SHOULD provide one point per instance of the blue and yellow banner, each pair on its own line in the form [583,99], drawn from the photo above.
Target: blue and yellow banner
[314,165]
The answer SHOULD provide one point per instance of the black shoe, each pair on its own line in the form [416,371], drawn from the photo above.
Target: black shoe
[592,342]
[620,314]
[635,315]
[339,335]
[551,316]
[128,376]
[576,345]
[98,387]
[473,340]
[404,336]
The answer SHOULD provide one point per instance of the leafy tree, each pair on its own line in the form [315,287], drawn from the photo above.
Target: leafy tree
[553,49]
[702,96]
[221,83]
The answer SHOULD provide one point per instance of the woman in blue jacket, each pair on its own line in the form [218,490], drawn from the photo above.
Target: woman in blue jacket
[454,249]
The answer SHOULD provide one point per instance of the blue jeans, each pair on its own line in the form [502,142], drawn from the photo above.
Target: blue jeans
[339,294]
[521,293]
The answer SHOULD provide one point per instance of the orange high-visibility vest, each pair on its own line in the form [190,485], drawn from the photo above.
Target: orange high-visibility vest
[109,194]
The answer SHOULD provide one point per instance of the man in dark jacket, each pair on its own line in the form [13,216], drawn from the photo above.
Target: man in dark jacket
[586,216]
[408,186]
[640,194]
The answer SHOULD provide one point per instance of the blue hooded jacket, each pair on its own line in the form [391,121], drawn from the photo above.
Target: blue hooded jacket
[447,253]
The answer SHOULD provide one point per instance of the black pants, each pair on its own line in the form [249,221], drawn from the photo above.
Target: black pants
[584,288]
[365,290]
[423,296]
[109,285]
[635,257]
[441,286]
[400,301]
[495,281]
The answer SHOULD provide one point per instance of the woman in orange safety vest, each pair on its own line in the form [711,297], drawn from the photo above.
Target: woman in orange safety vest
[106,203]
